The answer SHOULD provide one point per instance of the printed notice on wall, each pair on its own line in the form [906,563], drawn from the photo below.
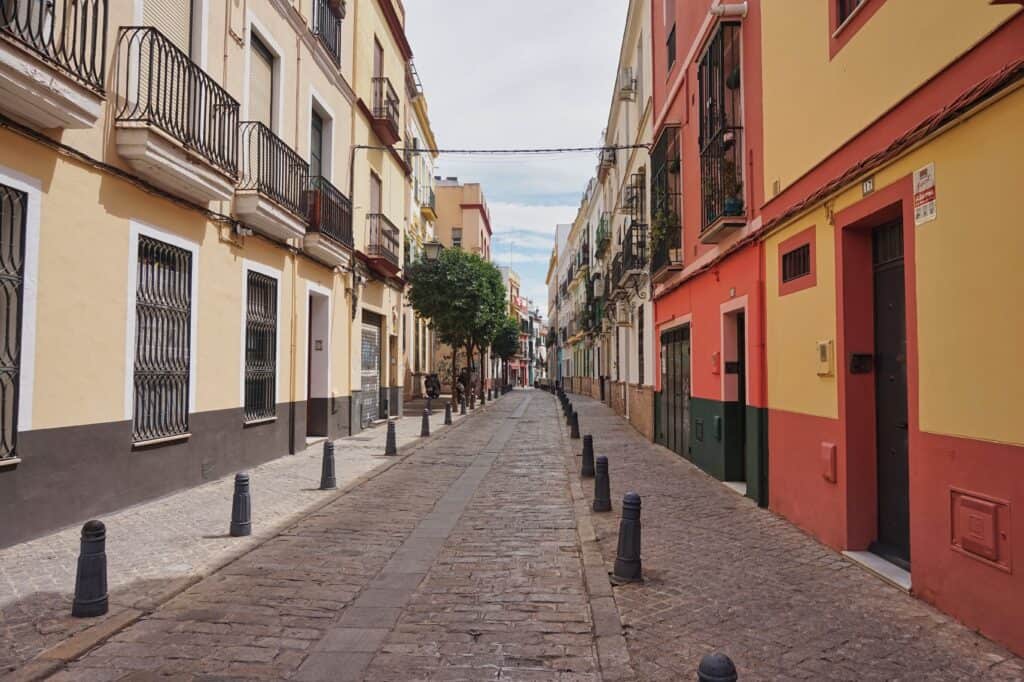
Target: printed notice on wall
[924,194]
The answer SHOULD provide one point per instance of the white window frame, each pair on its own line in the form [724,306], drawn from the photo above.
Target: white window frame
[318,103]
[275,274]
[139,228]
[267,38]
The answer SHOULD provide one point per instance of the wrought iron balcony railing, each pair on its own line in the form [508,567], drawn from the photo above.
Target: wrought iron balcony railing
[382,240]
[163,87]
[634,248]
[327,16]
[616,274]
[70,34]
[385,102]
[603,237]
[721,176]
[666,252]
[272,168]
[329,212]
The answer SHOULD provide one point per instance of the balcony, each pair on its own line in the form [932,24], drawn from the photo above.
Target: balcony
[382,244]
[428,205]
[605,162]
[614,288]
[603,237]
[634,256]
[666,225]
[722,186]
[273,185]
[385,111]
[329,213]
[176,127]
[52,61]
[667,254]
[327,16]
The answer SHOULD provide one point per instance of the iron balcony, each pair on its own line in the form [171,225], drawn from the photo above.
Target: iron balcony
[382,243]
[69,34]
[273,183]
[327,16]
[385,110]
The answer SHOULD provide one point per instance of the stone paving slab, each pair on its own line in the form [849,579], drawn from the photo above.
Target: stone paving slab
[158,548]
[722,574]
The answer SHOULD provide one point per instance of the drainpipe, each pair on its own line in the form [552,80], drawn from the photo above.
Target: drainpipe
[735,9]
[293,344]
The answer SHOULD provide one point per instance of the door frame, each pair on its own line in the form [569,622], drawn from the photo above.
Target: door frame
[313,292]
[855,330]
[729,338]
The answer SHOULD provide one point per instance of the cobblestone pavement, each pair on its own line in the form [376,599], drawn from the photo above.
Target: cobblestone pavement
[459,563]
[158,548]
[722,574]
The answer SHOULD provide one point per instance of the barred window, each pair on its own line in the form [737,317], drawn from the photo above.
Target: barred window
[12,272]
[796,263]
[163,312]
[260,347]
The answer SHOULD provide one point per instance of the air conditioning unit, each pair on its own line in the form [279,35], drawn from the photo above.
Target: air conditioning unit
[627,84]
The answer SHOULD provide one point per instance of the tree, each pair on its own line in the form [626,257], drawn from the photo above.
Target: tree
[506,341]
[463,296]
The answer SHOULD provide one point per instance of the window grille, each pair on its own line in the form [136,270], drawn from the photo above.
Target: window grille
[796,263]
[163,312]
[12,273]
[260,347]
[846,8]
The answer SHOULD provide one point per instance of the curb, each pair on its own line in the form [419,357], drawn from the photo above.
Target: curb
[51,660]
[612,652]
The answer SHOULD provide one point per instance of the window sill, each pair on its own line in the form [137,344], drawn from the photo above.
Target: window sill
[9,463]
[257,422]
[138,445]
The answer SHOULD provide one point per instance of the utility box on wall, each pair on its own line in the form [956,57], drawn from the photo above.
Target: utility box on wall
[980,527]
[826,361]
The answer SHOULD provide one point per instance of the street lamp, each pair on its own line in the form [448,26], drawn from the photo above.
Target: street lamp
[432,250]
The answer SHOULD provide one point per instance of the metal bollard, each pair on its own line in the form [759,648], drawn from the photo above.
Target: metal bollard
[391,444]
[91,578]
[448,413]
[568,415]
[587,466]
[716,668]
[462,407]
[472,401]
[483,398]
[602,486]
[241,507]
[627,560]
[327,479]
[425,426]
[574,423]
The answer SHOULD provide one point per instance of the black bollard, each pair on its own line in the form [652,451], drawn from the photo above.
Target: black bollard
[462,406]
[327,478]
[483,398]
[716,668]
[472,401]
[91,579]
[574,422]
[425,427]
[391,444]
[627,561]
[587,466]
[602,486]
[448,413]
[568,415]
[241,507]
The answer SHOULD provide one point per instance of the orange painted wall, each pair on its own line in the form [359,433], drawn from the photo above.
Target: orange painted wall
[702,298]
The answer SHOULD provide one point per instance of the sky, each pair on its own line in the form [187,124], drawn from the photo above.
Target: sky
[523,74]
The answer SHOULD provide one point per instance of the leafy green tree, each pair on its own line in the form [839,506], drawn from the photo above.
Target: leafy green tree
[463,296]
[506,340]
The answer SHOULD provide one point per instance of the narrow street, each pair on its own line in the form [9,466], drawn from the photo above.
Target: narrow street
[469,560]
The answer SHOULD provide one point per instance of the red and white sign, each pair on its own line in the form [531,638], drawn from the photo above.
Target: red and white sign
[924,194]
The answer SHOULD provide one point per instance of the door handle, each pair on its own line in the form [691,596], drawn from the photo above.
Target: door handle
[902,425]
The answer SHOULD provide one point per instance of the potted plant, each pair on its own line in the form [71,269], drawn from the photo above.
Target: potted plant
[733,188]
[732,81]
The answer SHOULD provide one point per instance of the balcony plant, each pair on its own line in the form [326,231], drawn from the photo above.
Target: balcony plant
[732,185]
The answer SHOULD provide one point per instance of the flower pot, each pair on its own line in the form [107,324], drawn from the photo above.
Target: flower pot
[733,206]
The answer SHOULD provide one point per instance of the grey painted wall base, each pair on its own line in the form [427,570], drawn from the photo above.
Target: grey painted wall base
[68,475]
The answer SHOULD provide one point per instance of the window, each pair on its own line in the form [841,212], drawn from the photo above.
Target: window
[670,49]
[163,314]
[260,347]
[845,8]
[12,274]
[261,83]
[457,237]
[721,121]
[316,145]
[796,263]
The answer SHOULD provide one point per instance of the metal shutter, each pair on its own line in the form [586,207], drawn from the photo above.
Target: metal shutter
[173,18]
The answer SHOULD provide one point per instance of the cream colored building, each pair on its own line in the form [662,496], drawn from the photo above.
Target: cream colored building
[463,219]
[202,215]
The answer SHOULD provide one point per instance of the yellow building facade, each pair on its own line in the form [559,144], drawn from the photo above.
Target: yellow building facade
[891,291]
[204,213]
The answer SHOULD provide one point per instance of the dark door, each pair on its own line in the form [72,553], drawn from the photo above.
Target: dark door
[676,389]
[316,145]
[891,395]
[741,391]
